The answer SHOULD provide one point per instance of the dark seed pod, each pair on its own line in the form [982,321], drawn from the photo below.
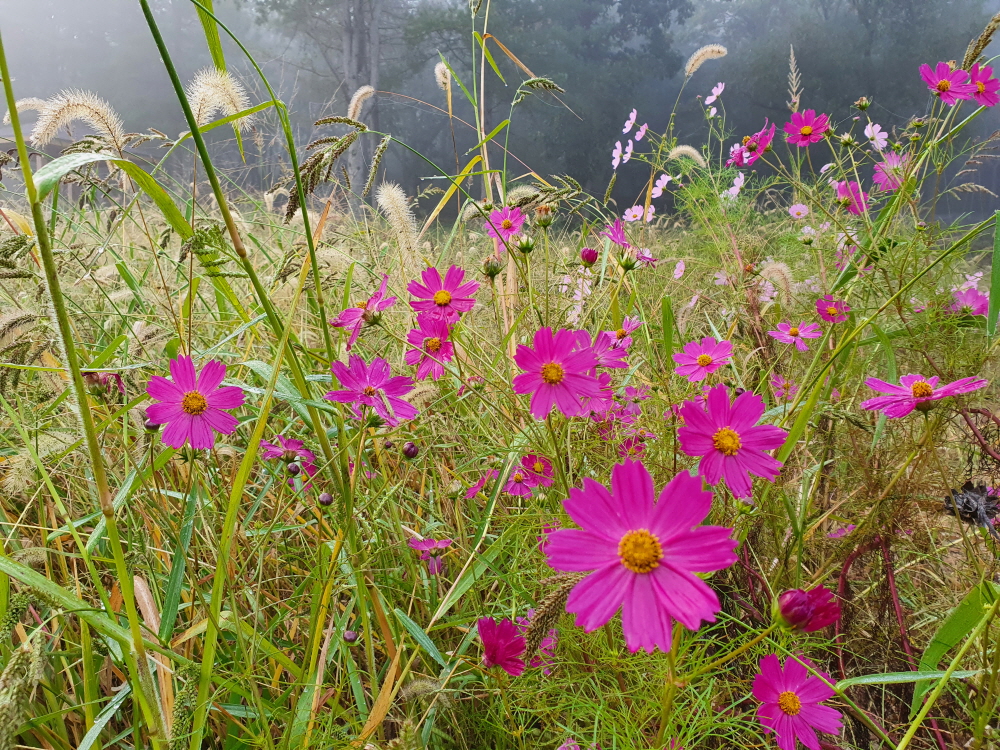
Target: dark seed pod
[326,499]
[410,450]
[350,636]
[294,469]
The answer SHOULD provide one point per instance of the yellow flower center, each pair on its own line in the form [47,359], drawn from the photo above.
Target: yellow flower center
[368,390]
[980,87]
[640,551]
[518,477]
[832,310]
[506,224]
[538,467]
[793,331]
[790,703]
[552,373]
[727,441]
[944,85]
[746,140]
[194,403]
[920,389]
[442,297]
[806,130]
[620,334]
[433,345]
[704,360]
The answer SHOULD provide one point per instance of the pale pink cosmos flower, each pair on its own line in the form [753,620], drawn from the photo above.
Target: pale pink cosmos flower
[642,553]
[798,211]
[806,127]
[679,269]
[986,87]
[431,346]
[948,85]
[365,313]
[628,152]
[538,467]
[717,90]
[913,391]
[193,406]
[444,297]
[504,223]
[630,121]
[616,155]
[712,112]
[970,302]
[796,334]
[645,258]
[730,441]
[660,185]
[633,214]
[878,137]
[832,310]
[738,182]
[889,172]
[641,132]
[699,359]
[650,210]
[849,193]
[791,702]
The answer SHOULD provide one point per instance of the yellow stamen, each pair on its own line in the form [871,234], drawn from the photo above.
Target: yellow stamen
[832,311]
[790,703]
[640,551]
[703,360]
[793,331]
[620,334]
[368,390]
[944,85]
[442,297]
[538,467]
[552,373]
[433,345]
[980,87]
[194,403]
[727,441]
[920,389]
[518,477]
[506,224]
[806,130]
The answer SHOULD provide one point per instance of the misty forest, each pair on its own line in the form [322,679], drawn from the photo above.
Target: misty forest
[360,360]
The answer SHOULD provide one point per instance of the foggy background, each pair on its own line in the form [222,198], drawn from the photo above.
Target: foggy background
[610,56]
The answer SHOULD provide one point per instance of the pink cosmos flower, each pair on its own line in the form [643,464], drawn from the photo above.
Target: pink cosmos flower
[807,127]
[504,223]
[191,405]
[432,346]
[632,399]
[913,391]
[737,186]
[985,86]
[842,531]
[632,447]
[679,269]
[633,214]
[876,136]
[374,387]
[103,382]
[650,210]
[699,359]
[970,302]
[605,349]
[445,297]
[291,451]
[791,702]
[645,258]
[641,132]
[366,313]
[737,156]
[432,550]
[798,211]
[783,388]
[539,467]
[546,648]
[556,373]
[832,310]
[478,486]
[730,440]
[616,155]
[791,334]
[889,172]
[808,611]
[616,233]
[628,152]
[502,646]
[717,90]
[948,85]
[753,147]
[630,121]
[623,336]
[660,185]
[644,552]
[603,402]
[850,194]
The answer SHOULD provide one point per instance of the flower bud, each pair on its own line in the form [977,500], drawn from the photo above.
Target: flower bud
[862,103]
[588,256]
[807,611]
[387,445]
[410,450]
[326,499]
[492,266]
[525,244]
[350,636]
[151,426]
[293,469]
[807,240]
[543,216]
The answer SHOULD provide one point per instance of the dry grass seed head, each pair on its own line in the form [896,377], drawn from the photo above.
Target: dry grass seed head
[392,201]
[213,91]
[442,75]
[74,104]
[703,55]
[689,152]
[31,104]
[362,95]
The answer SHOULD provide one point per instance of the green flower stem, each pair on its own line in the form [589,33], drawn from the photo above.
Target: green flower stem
[138,664]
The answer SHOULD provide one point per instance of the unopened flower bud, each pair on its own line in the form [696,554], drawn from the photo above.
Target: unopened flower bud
[150,425]
[862,103]
[350,636]
[294,469]
[543,216]
[525,244]
[387,445]
[325,499]
[492,266]
[588,256]
[807,611]
[807,240]
[410,450]
[921,226]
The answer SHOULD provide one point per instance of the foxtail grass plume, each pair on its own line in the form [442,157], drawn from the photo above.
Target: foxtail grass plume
[74,104]
[443,76]
[392,200]
[31,104]
[689,152]
[977,45]
[702,56]
[794,82]
[362,95]
[213,93]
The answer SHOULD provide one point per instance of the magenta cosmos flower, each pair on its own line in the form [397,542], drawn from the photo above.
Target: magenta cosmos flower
[478,486]
[791,702]
[948,85]
[832,310]
[807,127]
[539,467]
[556,373]
[699,359]
[445,297]
[432,551]
[291,451]
[914,390]
[366,313]
[504,223]
[752,147]
[985,86]
[970,302]
[520,483]
[374,387]
[729,439]
[790,334]
[889,172]
[616,233]
[432,346]
[502,645]
[645,553]
[808,611]
[191,406]
[853,198]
